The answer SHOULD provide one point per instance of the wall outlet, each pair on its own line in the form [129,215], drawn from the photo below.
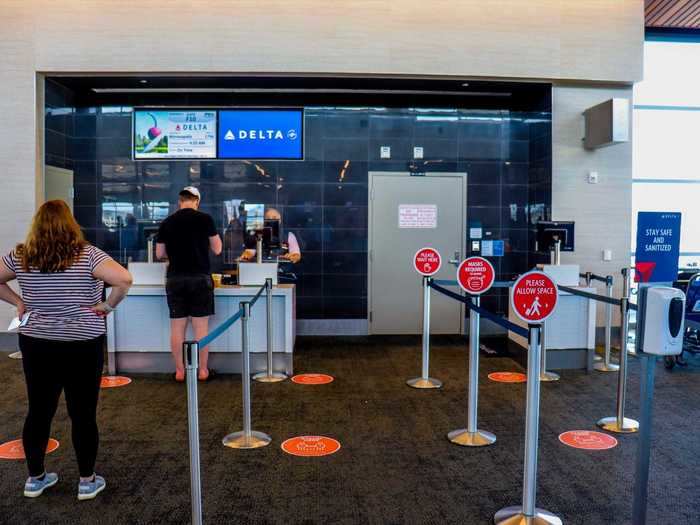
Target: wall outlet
[592,177]
[607,255]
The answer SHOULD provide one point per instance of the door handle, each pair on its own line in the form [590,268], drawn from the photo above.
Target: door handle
[456,260]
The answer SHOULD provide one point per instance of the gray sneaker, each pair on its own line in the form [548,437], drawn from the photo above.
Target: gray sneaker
[90,489]
[34,487]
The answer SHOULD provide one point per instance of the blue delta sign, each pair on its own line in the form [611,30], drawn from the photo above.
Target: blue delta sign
[261,134]
[658,245]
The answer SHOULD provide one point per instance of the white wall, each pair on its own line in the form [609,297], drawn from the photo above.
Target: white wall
[589,42]
[602,211]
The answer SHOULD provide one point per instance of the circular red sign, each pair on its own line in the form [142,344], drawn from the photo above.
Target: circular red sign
[475,275]
[534,297]
[588,440]
[427,261]
[508,377]
[15,450]
[312,379]
[114,381]
[313,446]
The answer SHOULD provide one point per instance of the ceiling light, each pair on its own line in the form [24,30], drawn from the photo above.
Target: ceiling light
[143,81]
[465,84]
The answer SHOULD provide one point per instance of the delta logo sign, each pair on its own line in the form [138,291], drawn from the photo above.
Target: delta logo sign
[261,134]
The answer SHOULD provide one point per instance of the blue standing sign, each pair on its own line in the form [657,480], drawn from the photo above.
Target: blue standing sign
[658,246]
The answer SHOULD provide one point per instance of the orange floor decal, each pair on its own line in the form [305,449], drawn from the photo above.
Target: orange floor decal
[588,440]
[114,381]
[312,379]
[311,446]
[15,450]
[508,377]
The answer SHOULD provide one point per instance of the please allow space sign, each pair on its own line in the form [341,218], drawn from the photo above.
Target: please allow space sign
[418,216]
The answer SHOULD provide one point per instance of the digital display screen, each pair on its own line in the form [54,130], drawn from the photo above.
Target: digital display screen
[174,134]
[254,216]
[261,134]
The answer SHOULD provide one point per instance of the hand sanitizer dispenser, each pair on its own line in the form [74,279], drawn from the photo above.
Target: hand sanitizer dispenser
[663,312]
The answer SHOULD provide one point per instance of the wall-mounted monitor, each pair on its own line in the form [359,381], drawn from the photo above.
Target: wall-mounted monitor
[174,134]
[261,134]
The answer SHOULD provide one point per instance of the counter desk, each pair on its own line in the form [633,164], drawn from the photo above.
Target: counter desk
[138,332]
[570,332]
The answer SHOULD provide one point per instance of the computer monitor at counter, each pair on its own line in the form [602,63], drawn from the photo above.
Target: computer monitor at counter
[549,232]
[270,233]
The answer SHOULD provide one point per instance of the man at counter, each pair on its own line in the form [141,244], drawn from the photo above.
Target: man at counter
[293,254]
[185,238]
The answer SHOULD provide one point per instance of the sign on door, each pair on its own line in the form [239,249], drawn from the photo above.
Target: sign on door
[417,216]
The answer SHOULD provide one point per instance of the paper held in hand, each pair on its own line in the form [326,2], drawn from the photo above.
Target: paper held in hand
[17,322]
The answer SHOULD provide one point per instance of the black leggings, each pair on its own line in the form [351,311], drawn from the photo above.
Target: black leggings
[51,367]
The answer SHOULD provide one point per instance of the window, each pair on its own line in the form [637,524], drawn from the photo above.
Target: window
[666,174]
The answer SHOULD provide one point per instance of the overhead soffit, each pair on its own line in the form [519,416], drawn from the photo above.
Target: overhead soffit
[679,14]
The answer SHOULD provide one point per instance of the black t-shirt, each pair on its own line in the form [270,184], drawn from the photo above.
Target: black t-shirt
[186,237]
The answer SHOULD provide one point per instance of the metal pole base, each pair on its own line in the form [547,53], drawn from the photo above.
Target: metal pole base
[15,355]
[515,516]
[480,438]
[240,440]
[602,367]
[549,376]
[420,382]
[629,426]
[274,377]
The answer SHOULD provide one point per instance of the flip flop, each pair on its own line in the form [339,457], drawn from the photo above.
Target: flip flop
[210,375]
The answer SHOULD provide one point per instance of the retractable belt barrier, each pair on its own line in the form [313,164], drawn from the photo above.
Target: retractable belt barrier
[589,295]
[216,332]
[191,360]
[593,277]
[257,295]
[496,284]
[596,297]
[505,323]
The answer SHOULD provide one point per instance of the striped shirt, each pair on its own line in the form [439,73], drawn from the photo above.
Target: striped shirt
[59,303]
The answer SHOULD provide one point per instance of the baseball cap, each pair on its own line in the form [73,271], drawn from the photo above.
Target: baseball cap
[191,190]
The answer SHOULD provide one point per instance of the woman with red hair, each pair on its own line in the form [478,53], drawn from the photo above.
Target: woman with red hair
[61,279]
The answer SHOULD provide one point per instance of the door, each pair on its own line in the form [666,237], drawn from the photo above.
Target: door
[58,184]
[407,213]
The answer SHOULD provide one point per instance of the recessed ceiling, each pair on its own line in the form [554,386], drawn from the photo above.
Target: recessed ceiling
[678,14]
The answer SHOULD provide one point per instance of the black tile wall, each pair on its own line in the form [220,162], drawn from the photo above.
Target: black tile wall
[323,200]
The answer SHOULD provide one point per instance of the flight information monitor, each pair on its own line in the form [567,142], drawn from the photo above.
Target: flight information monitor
[174,134]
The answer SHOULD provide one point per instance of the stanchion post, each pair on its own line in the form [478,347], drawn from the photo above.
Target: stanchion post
[528,511]
[191,358]
[425,381]
[544,375]
[246,438]
[606,365]
[641,474]
[472,436]
[619,423]
[269,376]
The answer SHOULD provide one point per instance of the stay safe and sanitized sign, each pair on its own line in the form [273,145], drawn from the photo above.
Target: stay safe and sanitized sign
[658,246]
[534,297]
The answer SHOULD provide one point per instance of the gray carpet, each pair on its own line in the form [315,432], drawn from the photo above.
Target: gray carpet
[395,465]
